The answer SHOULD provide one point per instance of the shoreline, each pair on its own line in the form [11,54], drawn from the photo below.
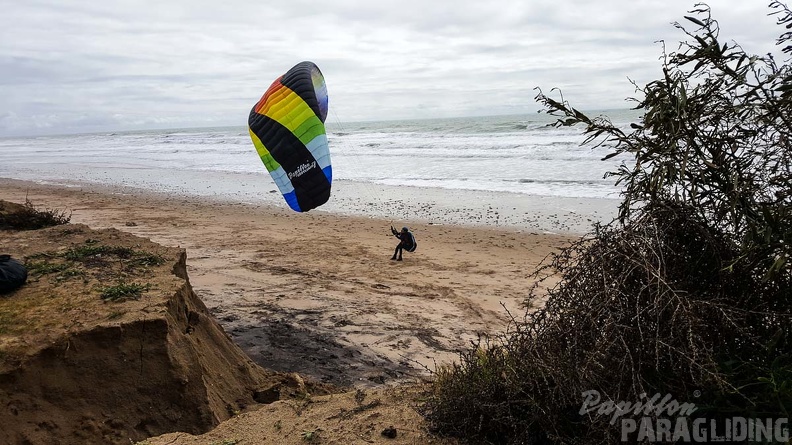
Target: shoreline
[316,293]
[424,205]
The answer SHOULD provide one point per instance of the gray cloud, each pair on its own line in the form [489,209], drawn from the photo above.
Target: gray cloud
[106,66]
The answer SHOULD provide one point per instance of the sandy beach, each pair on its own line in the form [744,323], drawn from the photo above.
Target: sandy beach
[316,293]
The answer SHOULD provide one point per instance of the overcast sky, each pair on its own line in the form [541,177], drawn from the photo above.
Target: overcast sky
[107,65]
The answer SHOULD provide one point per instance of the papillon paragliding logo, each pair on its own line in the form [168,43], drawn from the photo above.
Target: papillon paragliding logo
[662,419]
[287,129]
[302,169]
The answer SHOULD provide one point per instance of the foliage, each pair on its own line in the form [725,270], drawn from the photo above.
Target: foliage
[687,294]
[92,251]
[62,271]
[310,435]
[716,136]
[646,308]
[45,267]
[27,217]
[79,259]
[123,291]
[489,395]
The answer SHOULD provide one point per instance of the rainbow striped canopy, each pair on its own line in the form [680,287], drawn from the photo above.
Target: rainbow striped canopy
[287,128]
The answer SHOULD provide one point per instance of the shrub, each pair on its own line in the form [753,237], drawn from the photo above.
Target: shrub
[686,294]
[27,217]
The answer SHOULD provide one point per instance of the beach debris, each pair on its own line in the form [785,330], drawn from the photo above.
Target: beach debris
[287,129]
[389,432]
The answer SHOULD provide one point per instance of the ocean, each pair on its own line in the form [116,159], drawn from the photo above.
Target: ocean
[373,162]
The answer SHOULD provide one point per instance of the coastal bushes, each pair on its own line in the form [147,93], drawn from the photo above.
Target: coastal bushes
[686,298]
[27,217]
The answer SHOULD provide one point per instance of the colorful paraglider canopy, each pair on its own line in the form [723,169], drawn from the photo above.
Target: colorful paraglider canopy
[287,129]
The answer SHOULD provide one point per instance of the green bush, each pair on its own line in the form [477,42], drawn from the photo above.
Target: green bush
[688,293]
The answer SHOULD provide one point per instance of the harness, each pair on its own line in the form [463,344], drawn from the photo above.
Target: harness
[410,244]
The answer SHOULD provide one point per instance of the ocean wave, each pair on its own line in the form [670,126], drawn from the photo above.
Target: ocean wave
[564,181]
[518,153]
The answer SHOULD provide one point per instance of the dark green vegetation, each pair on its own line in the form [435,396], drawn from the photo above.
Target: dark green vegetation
[123,291]
[27,217]
[92,259]
[91,251]
[687,294]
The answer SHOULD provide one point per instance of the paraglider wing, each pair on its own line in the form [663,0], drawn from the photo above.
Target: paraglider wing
[287,129]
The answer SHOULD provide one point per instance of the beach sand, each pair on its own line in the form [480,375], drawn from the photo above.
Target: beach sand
[317,293]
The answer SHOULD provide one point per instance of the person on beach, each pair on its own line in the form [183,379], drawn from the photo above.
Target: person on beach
[406,242]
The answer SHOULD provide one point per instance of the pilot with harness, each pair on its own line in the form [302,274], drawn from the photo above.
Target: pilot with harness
[406,242]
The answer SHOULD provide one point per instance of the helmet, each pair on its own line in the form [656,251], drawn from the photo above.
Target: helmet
[405,229]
